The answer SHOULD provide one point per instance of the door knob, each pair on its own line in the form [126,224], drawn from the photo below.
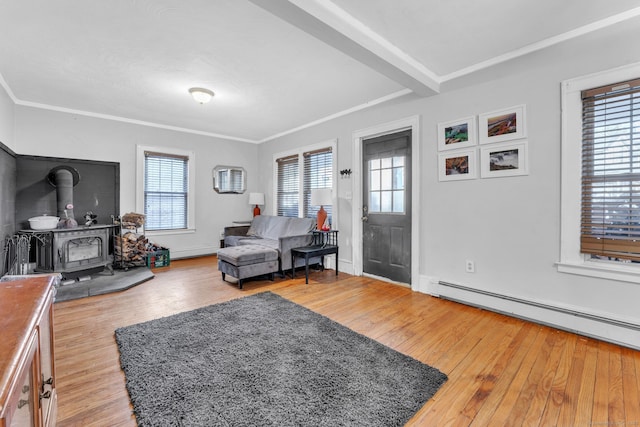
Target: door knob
[365,218]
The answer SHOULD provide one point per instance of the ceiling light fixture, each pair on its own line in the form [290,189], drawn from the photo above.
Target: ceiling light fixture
[201,94]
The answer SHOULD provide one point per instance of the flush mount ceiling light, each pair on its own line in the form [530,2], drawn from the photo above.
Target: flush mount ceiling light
[201,94]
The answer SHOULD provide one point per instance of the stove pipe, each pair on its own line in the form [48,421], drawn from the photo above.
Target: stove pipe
[64,178]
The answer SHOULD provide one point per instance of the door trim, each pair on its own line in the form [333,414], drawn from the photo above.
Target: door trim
[412,123]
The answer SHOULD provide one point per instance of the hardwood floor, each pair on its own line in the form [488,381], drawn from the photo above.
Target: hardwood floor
[502,371]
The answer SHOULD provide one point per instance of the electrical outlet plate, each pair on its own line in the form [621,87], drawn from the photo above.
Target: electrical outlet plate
[470,266]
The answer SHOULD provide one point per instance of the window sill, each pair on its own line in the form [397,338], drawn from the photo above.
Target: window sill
[602,270]
[169,232]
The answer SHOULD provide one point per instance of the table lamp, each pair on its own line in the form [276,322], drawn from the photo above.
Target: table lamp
[321,197]
[256,199]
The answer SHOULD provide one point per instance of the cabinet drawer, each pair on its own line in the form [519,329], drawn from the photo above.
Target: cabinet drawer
[22,405]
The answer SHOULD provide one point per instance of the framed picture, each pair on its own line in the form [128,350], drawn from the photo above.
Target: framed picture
[456,134]
[506,159]
[457,165]
[502,125]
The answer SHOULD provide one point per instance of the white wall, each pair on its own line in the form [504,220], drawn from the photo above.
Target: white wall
[508,226]
[49,133]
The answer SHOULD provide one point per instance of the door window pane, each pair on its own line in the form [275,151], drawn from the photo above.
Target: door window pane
[374,181]
[398,178]
[386,182]
[398,201]
[385,201]
[374,202]
[387,174]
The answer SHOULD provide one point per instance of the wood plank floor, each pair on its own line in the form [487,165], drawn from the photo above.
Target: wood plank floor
[502,371]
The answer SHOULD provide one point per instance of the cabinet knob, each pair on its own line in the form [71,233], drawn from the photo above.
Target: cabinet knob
[22,403]
[25,389]
[45,395]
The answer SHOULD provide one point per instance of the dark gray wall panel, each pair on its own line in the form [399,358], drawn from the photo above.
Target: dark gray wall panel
[7,198]
[98,189]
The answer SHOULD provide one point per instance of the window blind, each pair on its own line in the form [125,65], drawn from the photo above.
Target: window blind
[610,223]
[165,191]
[318,168]
[288,185]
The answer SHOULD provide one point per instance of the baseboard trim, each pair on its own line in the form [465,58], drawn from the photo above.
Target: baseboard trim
[193,252]
[611,330]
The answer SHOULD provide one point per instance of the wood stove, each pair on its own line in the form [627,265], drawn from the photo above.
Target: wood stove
[70,251]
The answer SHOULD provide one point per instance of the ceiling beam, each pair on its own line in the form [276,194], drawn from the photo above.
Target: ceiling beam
[330,24]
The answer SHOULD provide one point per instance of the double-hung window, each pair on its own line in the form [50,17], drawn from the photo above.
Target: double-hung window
[288,185]
[165,191]
[165,186]
[300,172]
[600,187]
[610,226]
[318,174]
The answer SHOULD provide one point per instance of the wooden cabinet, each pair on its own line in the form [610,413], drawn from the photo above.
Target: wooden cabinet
[27,368]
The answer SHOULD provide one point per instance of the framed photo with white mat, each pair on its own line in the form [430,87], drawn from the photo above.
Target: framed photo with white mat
[505,159]
[502,125]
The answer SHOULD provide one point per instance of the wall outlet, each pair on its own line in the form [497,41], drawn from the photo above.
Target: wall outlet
[470,266]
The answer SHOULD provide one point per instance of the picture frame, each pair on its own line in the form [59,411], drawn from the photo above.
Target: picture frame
[457,165]
[505,159]
[502,125]
[456,134]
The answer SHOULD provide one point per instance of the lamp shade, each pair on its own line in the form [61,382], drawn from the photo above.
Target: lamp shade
[256,198]
[321,197]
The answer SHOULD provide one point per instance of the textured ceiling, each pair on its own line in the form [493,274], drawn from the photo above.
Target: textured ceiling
[275,65]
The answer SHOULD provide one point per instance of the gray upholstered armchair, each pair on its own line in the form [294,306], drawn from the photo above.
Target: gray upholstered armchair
[277,232]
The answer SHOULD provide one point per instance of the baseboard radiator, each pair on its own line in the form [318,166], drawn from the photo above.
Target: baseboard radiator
[587,316]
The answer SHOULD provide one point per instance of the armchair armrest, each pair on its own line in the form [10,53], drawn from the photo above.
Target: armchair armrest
[236,230]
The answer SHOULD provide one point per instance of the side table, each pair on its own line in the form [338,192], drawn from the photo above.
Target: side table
[324,243]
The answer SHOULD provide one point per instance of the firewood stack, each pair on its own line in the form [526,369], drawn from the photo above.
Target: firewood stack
[130,248]
[132,220]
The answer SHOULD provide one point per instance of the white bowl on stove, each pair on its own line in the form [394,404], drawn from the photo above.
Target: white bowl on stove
[43,222]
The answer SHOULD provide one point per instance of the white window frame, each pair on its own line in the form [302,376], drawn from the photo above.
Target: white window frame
[191,204]
[571,260]
[300,153]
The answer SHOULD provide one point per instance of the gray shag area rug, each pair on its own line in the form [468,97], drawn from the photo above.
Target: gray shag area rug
[263,360]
